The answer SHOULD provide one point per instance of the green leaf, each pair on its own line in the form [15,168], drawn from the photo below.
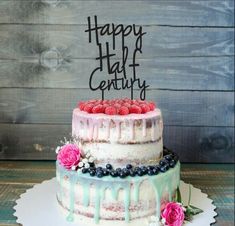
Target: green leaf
[189,198]
[178,195]
[188,217]
[195,210]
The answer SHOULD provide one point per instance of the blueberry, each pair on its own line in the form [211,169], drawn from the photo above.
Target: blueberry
[84,170]
[137,168]
[118,169]
[122,174]
[105,172]
[155,170]
[144,170]
[162,162]
[164,168]
[132,173]
[126,171]
[150,167]
[114,173]
[92,173]
[109,166]
[140,173]
[99,168]
[150,172]
[129,166]
[91,169]
[172,163]
[99,173]
[168,157]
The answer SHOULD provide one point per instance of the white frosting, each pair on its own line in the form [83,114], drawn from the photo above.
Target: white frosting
[119,154]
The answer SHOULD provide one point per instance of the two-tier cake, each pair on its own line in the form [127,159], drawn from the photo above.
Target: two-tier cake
[116,171]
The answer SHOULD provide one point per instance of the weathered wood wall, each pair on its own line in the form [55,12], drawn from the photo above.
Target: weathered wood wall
[188,58]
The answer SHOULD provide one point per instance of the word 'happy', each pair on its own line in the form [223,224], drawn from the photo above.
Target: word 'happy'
[107,57]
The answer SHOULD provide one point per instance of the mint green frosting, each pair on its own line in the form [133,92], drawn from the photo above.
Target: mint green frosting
[160,183]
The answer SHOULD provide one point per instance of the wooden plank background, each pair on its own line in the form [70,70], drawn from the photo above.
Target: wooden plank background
[188,58]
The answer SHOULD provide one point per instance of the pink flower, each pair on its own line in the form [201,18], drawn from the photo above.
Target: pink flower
[69,156]
[173,214]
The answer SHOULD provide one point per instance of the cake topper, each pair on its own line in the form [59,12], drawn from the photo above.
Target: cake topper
[108,62]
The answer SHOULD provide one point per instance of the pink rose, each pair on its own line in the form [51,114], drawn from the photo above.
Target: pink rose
[69,156]
[173,214]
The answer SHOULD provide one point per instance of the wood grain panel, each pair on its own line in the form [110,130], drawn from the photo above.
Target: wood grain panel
[174,12]
[193,144]
[201,144]
[62,42]
[200,73]
[34,141]
[55,106]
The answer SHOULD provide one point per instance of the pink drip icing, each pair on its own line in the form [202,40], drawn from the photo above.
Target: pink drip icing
[144,127]
[118,129]
[107,129]
[78,124]
[153,122]
[132,129]
[86,128]
[91,129]
[96,130]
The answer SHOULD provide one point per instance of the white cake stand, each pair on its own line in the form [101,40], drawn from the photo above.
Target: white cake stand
[38,206]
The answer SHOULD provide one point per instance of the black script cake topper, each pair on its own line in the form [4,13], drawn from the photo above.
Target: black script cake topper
[108,58]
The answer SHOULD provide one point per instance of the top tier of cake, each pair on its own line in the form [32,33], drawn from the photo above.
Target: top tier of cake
[120,139]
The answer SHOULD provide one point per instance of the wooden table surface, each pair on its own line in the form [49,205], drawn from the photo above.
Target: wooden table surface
[217,180]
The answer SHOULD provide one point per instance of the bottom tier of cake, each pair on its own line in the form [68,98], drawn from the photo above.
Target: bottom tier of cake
[118,201]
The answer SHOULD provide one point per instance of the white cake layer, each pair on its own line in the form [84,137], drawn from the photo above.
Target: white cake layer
[121,154]
[132,128]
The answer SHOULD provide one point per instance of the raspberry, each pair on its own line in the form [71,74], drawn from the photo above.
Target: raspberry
[112,102]
[105,102]
[152,105]
[127,100]
[98,101]
[134,102]
[110,110]
[98,109]
[105,105]
[116,105]
[81,105]
[88,108]
[142,102]
[123,110]
[135,109]
[119,101]
[127,105]
[144,108]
